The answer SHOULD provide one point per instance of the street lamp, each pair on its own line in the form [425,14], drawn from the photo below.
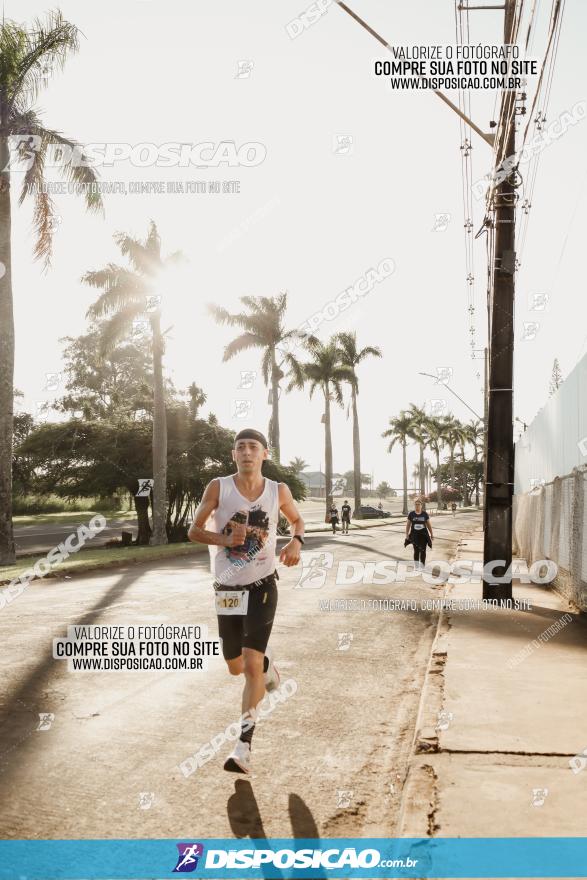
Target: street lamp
[431,376]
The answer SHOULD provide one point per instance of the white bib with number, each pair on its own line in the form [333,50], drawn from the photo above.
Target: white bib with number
[231,601]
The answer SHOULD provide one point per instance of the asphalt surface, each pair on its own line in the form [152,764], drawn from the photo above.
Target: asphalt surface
[328,762]
[41,537]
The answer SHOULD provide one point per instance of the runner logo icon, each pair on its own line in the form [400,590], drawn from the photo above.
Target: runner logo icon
[187,860]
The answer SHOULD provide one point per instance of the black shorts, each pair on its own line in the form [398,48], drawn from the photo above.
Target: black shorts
[250,630]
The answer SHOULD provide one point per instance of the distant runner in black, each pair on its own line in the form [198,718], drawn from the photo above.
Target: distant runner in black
[346,517]
[419,532]
[333,517]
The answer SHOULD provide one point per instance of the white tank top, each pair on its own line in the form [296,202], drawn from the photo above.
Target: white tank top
[255,559]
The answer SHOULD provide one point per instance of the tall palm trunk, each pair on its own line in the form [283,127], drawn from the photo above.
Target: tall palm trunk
[476,477]
[422,472]
[438,482]
[452,467]
[327,449]
[7,552]
[274,440]
[143,525]
[159,535]
[405,476]
[465,485]
[356,457]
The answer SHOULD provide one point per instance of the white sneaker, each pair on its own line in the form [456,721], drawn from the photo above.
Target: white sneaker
[239,760]
[271,677]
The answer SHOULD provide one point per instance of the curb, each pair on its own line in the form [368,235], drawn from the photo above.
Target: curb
[419,795]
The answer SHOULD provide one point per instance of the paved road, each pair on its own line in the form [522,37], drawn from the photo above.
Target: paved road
[41,537]
[348,728]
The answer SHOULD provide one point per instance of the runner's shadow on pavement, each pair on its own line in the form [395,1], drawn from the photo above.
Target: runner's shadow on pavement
[245,820]
[243,812]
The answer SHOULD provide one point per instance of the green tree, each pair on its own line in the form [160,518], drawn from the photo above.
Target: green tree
[468,435]
[263,326]
[102,384]
[436,430]
[28,58]
[325,372]
[351,356]
[126,295]
[383,489]
[454,437]
[418,433]
[349,481]
[79,459]
[477,438]
[85,459]
[22,473]
[196,399]
[298,465]
[399,433]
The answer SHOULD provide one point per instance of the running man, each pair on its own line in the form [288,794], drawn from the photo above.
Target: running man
[419,532]
[345,511]
[242,512]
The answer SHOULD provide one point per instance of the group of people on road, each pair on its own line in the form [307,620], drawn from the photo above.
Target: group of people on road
[345,521]
[333,519]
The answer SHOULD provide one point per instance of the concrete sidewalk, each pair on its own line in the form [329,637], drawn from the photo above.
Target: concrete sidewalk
[502,718]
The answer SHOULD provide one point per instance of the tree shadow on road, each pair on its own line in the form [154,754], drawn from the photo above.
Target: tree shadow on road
[21,708]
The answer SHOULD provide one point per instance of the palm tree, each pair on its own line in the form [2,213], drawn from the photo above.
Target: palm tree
[351,356]
[298,465]
[28,57]
[263,326]
[436,430]
[399,432]
[418,433]
[196,399]
[453,436]
[477,435]
[325,372]
[126,295]
[467,436]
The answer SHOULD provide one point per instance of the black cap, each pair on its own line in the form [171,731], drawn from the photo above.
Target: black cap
[251,434]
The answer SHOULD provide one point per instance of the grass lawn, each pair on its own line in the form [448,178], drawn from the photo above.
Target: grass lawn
[88,560]
[80,516]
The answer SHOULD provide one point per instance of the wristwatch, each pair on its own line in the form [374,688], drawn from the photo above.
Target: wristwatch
[300,539]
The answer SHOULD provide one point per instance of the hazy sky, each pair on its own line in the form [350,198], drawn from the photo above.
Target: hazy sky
[307,219]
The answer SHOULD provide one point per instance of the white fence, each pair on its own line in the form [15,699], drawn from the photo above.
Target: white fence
[550,523]
[556,441]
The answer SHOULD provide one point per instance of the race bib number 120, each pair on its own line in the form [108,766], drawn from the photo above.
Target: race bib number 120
[232,601]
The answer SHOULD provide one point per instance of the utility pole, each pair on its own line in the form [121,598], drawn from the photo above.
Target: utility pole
[499,480]
[485,407]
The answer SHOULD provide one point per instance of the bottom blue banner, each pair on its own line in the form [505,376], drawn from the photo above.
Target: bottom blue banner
[290,858]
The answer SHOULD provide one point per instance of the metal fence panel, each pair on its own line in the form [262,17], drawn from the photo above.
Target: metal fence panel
[547,539]
[556,441]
